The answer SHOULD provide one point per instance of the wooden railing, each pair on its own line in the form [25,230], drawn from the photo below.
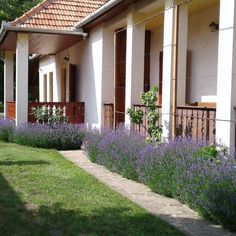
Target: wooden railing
[74,110]
[196,122]
[109,115]
[140,128]
[11,110]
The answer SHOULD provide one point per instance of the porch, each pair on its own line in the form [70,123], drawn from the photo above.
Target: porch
[197,122]
[20,46]
[181,48]
[73,110]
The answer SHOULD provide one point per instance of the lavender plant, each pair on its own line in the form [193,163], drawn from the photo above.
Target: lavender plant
[119,150]
[190,171]
[7,128]
[91,142]
[57,136]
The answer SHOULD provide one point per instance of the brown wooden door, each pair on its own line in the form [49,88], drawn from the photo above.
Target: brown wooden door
[63,84]
[146,86]
[72,83]
[160,78]
[120,70]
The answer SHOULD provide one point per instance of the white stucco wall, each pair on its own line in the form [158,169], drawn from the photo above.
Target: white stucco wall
[47,65]
[87,56]
[94,60]
[156,48]
[203,51]
[108,84]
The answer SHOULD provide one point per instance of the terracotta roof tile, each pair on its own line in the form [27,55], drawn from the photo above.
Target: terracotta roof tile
[58,14]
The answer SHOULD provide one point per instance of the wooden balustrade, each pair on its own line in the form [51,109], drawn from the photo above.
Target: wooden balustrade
[109,115]
[140,128]
[11,110]
[74,110]
[196,122]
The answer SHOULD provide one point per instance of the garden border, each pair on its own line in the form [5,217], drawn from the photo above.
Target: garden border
[168,209]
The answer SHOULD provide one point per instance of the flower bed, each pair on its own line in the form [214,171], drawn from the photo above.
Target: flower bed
[190,171]
[58,136]
[183,169]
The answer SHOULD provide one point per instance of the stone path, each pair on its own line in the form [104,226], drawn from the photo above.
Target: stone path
[170,210]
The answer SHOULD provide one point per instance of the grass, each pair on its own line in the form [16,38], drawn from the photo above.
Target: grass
[43,194]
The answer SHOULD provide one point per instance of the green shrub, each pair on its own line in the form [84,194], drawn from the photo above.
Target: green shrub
[1,107]
[149,100]
[7,129]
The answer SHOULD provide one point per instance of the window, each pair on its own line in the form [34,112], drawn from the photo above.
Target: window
[50,84]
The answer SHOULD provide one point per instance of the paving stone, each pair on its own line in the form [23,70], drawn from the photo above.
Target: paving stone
[168,209]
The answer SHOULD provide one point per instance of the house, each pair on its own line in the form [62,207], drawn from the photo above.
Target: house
[102,54]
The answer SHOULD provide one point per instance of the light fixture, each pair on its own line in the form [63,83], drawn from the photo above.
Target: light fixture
[214,26]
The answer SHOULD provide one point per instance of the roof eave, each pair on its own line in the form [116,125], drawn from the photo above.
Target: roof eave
[8,27]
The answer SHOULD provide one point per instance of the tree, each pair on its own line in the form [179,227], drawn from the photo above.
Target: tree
[10,10]
[149,100]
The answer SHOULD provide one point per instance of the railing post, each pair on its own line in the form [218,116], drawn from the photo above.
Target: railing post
[207,125]
[109,115]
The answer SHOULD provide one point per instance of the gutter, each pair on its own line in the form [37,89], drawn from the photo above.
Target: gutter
[100,11]
[8,27]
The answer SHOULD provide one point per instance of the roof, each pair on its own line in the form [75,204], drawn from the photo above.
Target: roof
[58,14]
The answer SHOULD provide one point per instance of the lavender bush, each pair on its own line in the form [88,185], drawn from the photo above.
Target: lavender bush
[193,172]
[6,130]
[58,136]
[116,149]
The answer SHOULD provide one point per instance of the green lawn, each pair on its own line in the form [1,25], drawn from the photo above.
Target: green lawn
[43,194]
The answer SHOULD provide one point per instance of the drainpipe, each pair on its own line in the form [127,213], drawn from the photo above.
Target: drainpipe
[175,72]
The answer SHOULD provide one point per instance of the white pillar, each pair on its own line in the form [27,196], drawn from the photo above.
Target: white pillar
[167,68]
[108,69]
[8,79]
[22,64]
[41,85]
[182,54]
[135,48]
[226,78]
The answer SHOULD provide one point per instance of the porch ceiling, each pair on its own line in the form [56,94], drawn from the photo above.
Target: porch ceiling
[157,15]
[41,43]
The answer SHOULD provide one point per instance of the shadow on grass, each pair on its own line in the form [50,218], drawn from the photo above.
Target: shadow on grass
[21,163]
[19,218]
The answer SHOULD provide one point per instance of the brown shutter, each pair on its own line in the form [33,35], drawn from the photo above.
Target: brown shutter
[160,77]
[120,70]
[146,86]
[72,83]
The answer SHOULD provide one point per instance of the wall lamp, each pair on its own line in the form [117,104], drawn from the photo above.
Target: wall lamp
[214,26]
